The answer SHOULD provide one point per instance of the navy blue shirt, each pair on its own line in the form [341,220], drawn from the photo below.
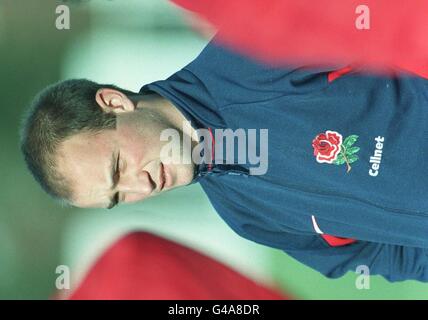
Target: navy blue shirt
[348,157]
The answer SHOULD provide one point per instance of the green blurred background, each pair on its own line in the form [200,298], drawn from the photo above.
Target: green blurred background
[128,43]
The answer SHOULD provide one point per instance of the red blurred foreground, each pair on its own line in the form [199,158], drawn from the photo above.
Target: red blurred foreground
[323,31]
[145,266]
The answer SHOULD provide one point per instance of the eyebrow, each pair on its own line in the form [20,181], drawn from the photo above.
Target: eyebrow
[115,199]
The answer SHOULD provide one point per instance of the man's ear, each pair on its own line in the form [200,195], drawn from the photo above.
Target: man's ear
[111,100]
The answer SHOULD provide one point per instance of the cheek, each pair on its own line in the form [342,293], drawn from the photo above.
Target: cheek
[138,152]
[133,154]
[141,143]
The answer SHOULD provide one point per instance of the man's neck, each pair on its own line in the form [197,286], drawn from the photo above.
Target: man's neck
[167,111]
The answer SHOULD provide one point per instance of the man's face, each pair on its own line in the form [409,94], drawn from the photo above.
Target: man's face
[121,165]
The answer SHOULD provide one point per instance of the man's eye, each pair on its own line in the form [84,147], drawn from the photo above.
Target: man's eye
[116,198]
[117,168]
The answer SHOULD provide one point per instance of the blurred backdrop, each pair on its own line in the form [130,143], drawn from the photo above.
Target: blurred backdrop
[128,43]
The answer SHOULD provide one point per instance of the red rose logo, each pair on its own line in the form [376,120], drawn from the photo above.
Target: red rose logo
[327,146]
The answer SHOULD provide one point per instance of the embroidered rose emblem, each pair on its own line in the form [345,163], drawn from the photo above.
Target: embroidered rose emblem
[329,147]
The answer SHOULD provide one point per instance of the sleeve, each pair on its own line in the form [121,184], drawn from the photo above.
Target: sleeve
[233,78]
[393,262]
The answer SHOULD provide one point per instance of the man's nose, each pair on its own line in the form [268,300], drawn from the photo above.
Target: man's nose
[136,183]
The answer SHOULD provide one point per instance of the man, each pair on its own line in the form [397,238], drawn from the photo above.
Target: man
[345,184]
